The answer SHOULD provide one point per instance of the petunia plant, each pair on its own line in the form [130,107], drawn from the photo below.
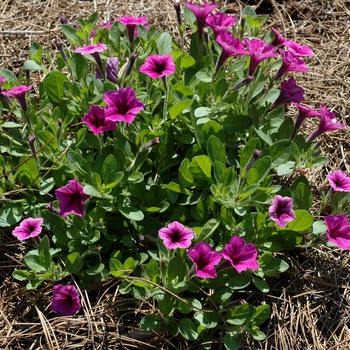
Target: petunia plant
[138,159]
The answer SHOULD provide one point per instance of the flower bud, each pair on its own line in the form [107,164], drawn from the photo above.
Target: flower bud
[112,69]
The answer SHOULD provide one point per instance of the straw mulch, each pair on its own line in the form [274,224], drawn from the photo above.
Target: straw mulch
[310,303]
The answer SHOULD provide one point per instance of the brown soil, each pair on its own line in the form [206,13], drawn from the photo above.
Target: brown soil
[310,303]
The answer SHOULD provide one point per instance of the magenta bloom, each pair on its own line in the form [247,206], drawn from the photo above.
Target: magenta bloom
[338,230]
[201,13]
[258,51]
[304,112]
[290,63]
[339,181]
[65,300]
[204,260]
[28,228]
[2,79]
[107,25]
[91,49]
[299,50]
[19,93]
[72,198]
[157,66]
[328,123]
[176,236]
[281,211]
[241,255]
[290,92]
[131,23]
[279,40]
[122,105]
[231,47]
[219,22]
[96,120]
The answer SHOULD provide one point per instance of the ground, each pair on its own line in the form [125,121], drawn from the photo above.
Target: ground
[310,303]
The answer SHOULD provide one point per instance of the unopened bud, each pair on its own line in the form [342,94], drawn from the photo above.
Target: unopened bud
[152,143]
[112,69]
[177,6]
[59,46]
[31,140]
[252,160]
[64,20]
[131,62]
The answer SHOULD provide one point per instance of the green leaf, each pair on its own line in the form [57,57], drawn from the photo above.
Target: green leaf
[237,123]
[207,319]
[302,196]
[279,152]
[249,11]
[216,150]
[131,213]
[185,176]
[302,222]
[200,168]
[259,170]
[71,35]
[32,65]
[151,322]
[33,262]
[44,252]
[166,305]
[95,270]
[80,67]
[28,173]
[212,128]
[116,267]
[178,108]
[152,270]
[240,315]
[231,342]
[74,262]
[188,329]
[77,163]
[92,191]
[109,167]
[262,313]
[164,43]
[260,284]
[176,270]
[22,275]
[36,52]
[187,61]
[173,186]
[53,85]
[207,230]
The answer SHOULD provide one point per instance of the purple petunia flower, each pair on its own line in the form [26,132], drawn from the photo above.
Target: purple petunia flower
[19,93]
[28,228]
[219,22]
[201,13]
[204,260]
[91,49]
[304,112]
[290,92]
[299,50]
[279,39]
[122,105]
[241,255]
[290,63]
[176,236]
[96,120]
[338,230]
[281,211]
[231,46]
[258,51]
[72,198]
[131,23]
[94,50]
[157,66]
[328,123]
[65,300]
[339,181]
[112,69]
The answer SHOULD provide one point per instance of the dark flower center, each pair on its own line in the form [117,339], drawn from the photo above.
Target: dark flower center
[161,67]
[176,236]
